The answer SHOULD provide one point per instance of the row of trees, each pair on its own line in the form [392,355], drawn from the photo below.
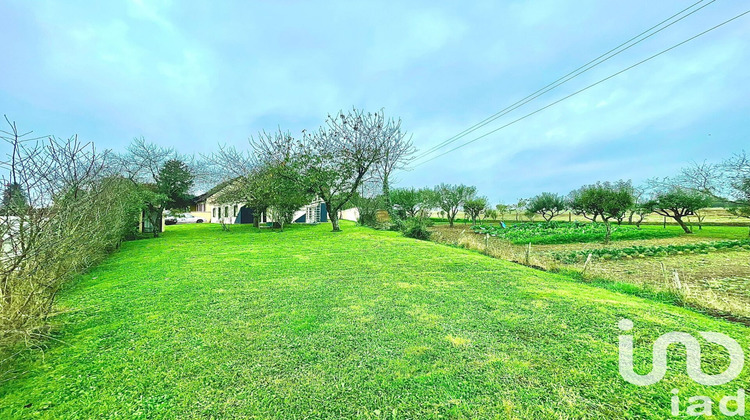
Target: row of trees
[696,187]
[610,202]
[727,182]
[449,198]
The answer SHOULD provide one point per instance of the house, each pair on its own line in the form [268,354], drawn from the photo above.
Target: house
[314,212]
[209,209]
[206,207]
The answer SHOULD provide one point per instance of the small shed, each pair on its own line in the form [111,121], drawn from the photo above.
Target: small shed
[151,222]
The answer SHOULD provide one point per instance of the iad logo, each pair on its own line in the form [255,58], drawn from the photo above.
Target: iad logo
[693,347]
[702,405]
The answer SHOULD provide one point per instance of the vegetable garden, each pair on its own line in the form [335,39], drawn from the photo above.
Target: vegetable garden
[573,257]
[566,232]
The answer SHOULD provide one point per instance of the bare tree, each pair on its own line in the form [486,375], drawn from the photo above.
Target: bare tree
[727,182]
[704,177]
[738,170]
[637,212]
[398,152]
[333,161]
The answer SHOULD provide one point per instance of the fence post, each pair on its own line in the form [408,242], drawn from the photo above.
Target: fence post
[586,264]
[528,254]
[487,244]
[676,280]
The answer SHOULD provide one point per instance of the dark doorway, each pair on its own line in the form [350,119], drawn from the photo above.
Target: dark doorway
[245,216]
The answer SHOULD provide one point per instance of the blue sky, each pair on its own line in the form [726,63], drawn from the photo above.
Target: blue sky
[195,74]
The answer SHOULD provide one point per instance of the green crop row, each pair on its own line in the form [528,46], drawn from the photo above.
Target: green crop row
[566,232]
[571,257]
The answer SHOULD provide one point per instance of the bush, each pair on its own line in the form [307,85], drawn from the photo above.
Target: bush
[415,228]
[70,216]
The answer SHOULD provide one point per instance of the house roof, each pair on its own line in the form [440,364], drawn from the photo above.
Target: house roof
[220,186]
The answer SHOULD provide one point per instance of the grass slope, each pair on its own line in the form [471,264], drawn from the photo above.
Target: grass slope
[314,324]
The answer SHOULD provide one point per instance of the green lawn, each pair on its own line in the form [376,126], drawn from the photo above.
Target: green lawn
[708,232]
[313,324]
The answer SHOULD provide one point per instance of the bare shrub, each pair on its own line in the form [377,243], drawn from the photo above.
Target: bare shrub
[62,213]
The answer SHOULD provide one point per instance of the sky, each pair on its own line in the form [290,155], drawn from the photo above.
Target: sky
[196,74]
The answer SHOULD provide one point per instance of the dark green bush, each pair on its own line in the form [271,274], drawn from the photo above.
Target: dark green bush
[415,228]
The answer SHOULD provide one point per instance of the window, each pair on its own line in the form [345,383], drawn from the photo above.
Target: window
[234,213]
[214,212]
[226,211]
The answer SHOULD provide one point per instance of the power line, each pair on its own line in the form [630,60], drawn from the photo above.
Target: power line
[566,78]
[586,88]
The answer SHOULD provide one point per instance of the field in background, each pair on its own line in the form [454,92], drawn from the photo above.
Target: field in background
[712,216]
[717,281]
[358,324]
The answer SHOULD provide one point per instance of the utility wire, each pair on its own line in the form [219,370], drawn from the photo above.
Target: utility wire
[564,79]
[586,88]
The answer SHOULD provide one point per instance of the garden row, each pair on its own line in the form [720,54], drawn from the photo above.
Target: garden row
[566,232]
[572,257]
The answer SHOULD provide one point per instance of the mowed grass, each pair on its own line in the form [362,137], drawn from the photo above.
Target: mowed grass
[707,232]
[359,324]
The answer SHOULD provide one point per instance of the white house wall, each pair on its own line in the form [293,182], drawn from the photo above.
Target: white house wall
[349,214]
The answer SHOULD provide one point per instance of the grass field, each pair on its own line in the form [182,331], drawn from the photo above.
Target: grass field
[313,324]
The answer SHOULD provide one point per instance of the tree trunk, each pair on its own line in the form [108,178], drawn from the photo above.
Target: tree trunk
[608,235]
[157,214]
[682,224]
[333,215]
[387,194]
